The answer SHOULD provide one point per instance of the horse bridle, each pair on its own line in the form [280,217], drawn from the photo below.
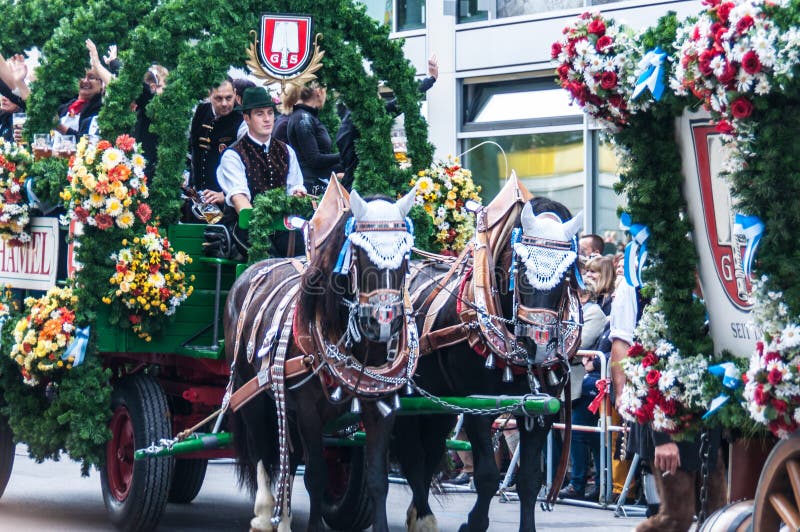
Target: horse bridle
[542,325]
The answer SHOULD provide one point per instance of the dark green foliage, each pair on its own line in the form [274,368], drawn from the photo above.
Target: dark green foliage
[49,178]
[269,209]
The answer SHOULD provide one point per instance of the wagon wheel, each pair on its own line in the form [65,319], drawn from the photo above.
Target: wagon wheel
[778,495]
[346,504]
[187,480]
[6,454]
[135,492]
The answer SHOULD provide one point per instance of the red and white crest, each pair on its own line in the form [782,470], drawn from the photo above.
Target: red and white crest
[285,44]
[718,216]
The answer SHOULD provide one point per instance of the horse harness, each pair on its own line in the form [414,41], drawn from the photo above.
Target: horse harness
[313,352]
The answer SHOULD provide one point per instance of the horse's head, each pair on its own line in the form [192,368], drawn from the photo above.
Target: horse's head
[544,251]
[381,238]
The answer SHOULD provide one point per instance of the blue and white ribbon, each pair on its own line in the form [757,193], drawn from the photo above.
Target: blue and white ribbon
[651,76]
[752,228]
[731,379]
[346,254]
[77,348]
[576,270]
[635,251]
[516,234]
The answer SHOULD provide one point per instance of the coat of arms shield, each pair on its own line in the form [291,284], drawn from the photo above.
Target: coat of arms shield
[285,43]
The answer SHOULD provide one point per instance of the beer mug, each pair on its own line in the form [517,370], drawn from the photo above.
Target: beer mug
[64,146]
[42,145]
[18,122]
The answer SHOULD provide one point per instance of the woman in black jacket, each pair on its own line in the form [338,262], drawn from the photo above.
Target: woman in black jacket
[310,139]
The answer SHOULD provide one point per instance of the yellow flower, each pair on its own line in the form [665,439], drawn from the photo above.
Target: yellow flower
[424,185]
[450,204]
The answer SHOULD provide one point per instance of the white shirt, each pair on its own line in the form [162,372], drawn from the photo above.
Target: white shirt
[232,178]
[624,309]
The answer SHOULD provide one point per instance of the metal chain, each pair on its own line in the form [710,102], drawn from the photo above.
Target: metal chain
[704,458]
[476,411]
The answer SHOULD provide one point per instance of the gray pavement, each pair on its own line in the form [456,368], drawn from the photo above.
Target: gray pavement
[54,497]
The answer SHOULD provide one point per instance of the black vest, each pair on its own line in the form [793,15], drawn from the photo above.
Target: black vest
[264,170]
[210,137]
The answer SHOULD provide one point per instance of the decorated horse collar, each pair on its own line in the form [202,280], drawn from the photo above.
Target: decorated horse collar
[386,242]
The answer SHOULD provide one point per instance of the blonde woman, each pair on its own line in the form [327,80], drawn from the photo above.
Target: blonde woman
[599,277]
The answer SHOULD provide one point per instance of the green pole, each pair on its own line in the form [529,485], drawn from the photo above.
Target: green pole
[358,439]
[542,405]
[197,442]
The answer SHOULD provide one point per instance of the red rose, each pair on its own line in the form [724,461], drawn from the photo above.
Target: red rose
[669,407]
[81,214]
[728,74]
[775,376]
[563,71]
[751,63]
[719,37]
[596,27]
[741,108]
[744,24]
[759,396]
[12,197]
[650,359]
[143,212]
[135,318]
[555,49]
[635,350]
[617,101]
[103,221]
[772,355]
[603,43]
[608,80]
[724,10]
[164,292]
[704,62]
[779,405]
[652,377]
[642,416]
[724,127]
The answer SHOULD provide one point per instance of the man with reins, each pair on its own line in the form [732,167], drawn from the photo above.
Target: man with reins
[257,163]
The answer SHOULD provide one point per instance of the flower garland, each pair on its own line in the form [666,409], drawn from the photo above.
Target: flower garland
[43,334]
[733,56]
[107,184]
[442,190]
[148,283]
[663,387]
[595,67]
[772,389]
[15,160]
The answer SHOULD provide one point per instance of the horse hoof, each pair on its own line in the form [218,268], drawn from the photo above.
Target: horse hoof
[427,524]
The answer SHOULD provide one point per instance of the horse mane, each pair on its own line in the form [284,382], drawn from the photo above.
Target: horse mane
[321,290]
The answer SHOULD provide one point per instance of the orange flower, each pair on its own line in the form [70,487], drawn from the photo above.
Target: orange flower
[103,145]
[119,173]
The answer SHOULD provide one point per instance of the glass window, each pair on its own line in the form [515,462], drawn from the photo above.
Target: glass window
[380,10]
[513,8]
[548,164]
[472,10]
[517,103]
[410,14]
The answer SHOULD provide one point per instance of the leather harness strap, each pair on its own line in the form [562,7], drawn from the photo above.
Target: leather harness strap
[294,367]
[563,463]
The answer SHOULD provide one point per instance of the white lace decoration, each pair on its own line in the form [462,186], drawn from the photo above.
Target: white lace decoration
[544,267]
[385,249]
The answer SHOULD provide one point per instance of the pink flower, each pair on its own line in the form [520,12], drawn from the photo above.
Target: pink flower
[125,142]
[555,49]
[751,63]
[724,10]
[103,221]
[741,108]
[143,212]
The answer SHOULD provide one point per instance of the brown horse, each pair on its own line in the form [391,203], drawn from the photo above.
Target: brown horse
[517,327]
[321,339]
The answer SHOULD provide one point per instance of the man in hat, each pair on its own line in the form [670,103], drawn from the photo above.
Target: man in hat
[257,162]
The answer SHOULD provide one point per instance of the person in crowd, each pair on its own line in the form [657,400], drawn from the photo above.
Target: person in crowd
[599,276]
[12,89]
[7,109]
[310,139]
[584,444]
[288,99]
[591,245]
[239,86]
[347,134]
[214,128]
[78,116]
[153,83]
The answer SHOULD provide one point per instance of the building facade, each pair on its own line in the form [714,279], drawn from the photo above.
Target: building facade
[496,101]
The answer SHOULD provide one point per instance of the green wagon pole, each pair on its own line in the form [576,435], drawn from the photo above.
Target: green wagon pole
[534,405]
[198,442]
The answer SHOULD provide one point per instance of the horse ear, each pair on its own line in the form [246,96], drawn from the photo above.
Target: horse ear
[527,218]
[358,205]
[572,227]
[406,202]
